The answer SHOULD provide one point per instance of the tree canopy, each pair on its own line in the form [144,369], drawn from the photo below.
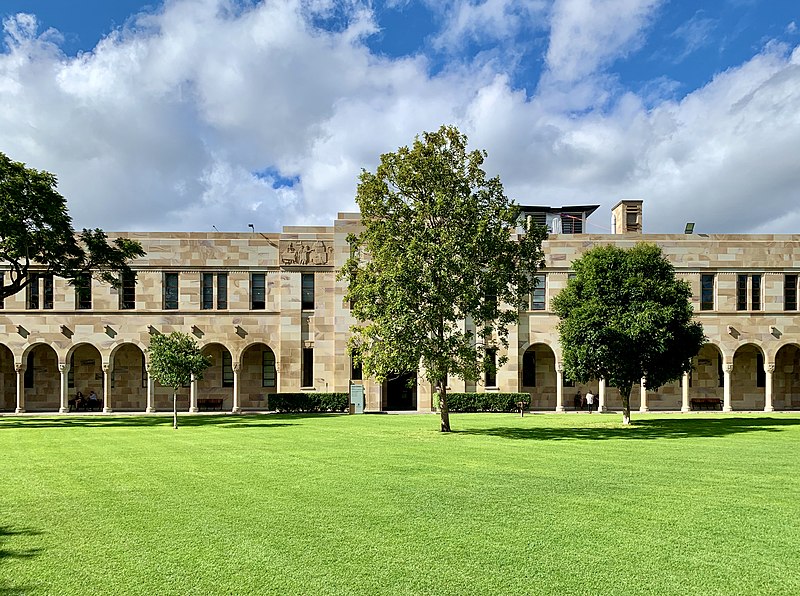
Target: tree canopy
[36,234]
[174,360]
[438,272]
[624,317]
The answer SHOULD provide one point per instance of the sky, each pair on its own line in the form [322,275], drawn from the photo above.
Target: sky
[196,115]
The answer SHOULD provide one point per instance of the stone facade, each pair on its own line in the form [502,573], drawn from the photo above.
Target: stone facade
[269,311]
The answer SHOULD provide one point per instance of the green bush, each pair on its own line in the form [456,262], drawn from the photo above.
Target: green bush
[485,402]
[309,402]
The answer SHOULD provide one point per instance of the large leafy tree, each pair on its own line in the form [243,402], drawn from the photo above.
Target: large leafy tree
[36,234]
[174,360]
[438,248]
[625,316]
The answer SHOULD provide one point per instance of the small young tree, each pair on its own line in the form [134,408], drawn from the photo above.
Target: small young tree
[36,232]
[624,317]
[438,248]
[174,360]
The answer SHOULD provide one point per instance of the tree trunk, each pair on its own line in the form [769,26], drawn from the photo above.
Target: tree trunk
[626,405]
[443,407]
[174,410]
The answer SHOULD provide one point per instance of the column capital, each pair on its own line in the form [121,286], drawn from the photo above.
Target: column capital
[106,367]
[728,368]
[235,366]
[770,368]
[63,367]
[19,366]
[559,367]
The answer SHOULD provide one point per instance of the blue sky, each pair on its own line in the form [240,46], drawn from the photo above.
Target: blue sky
[187,113]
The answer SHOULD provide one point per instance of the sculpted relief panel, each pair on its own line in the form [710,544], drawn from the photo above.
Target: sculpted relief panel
[306,252]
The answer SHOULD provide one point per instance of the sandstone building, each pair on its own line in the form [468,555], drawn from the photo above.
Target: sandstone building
[269,311]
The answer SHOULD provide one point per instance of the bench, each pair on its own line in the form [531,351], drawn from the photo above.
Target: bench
[209,403]
[705,403]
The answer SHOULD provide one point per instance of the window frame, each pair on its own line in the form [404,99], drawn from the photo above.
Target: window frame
[307,291]
[538,295]
[171,302]
[227,369]
[262,304]
[707,303]
[83,292]
[269,370]
[307,369]
[790,291]
[127,291]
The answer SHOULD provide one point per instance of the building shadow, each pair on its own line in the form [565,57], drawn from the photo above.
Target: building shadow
[184,420]
[661,428]
[9,534]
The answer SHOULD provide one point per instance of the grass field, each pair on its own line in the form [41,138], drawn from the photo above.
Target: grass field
[546,504]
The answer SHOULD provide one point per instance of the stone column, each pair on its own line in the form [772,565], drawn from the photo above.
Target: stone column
[559,388]
[193,396]
[768,369]
[107,388]
[64,370]
[685,393]
[601,396]
[727,369]
[20,369]
[236,408]
[150,395]
[643,396]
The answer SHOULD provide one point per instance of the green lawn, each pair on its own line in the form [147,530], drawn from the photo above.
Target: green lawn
[547,504]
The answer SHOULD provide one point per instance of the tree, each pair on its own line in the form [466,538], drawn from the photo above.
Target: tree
[175,360]
[36,232]
[624,317]
[439,248]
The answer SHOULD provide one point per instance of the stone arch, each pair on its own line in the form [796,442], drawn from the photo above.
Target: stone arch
[538,375]
[85,370]
[707,379]
[8,380]
[128,377]
[42,379]
[786,377]
[217,381]
[258,375]
[748,378]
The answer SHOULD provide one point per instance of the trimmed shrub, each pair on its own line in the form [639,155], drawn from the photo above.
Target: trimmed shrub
[485,402]
[309,402]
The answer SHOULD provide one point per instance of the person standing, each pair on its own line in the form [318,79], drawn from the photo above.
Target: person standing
[589,401]
[578,400]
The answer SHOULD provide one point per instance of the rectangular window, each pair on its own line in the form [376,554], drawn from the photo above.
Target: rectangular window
[208,280]
[32,292]
[170,291]
[720,372]
[308,367]
[71,373]
[222,291]
[748,286]
[29,371]
[258,291]
[356,371]
[538,301]
[707,292]
[307,293]
[208,291]
[572,223]
[790,292]
[741,292]
[761,374]
[227,369]
[491,368]
[269,374]
[127,293]
[144,373]
[47,291]
[529,369]
[755,292]
[83,292]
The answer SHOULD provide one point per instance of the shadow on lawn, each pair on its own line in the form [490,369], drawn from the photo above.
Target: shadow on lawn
[11,532]
[184,420]
[644,429]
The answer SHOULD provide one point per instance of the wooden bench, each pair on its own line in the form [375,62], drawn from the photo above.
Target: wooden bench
[209,403]
[705,403]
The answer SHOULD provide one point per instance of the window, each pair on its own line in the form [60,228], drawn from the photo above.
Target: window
[720,372]
[571,223]
[227,369]
[308,367]
[356,372]
[790,292]
[761,374]
[222,291]
[127,294]
[28,376]
[491,367]
[307,293]
[47,290]
[707,292]
[743,284]
[83,292]
[538,301]
[144,373]
[268,372]
[258,291]
[208,291]
[32,292]
[170,291]
[71,373]
[529,369]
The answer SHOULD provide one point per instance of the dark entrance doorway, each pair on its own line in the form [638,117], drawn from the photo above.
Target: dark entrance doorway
[401,391]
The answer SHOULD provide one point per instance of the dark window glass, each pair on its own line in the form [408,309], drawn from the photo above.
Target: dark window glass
[308,367]
[491,367]
[741,292]
[307,293]
[761,375]
[47,291]
[171,291]
[71,373]
[538,301]
[144,373]
[356,372]
[790,292]
[707,292]
[258,291]
[529,369]
[222,291]
[83,292]
[571,223]
[755,292]
[227,369]
[268,371]
[32,292]
[28,376]
[207,291]
[720,372]
[127,296]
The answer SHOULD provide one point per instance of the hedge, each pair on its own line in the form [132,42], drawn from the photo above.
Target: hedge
[485,402]
[309,402]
